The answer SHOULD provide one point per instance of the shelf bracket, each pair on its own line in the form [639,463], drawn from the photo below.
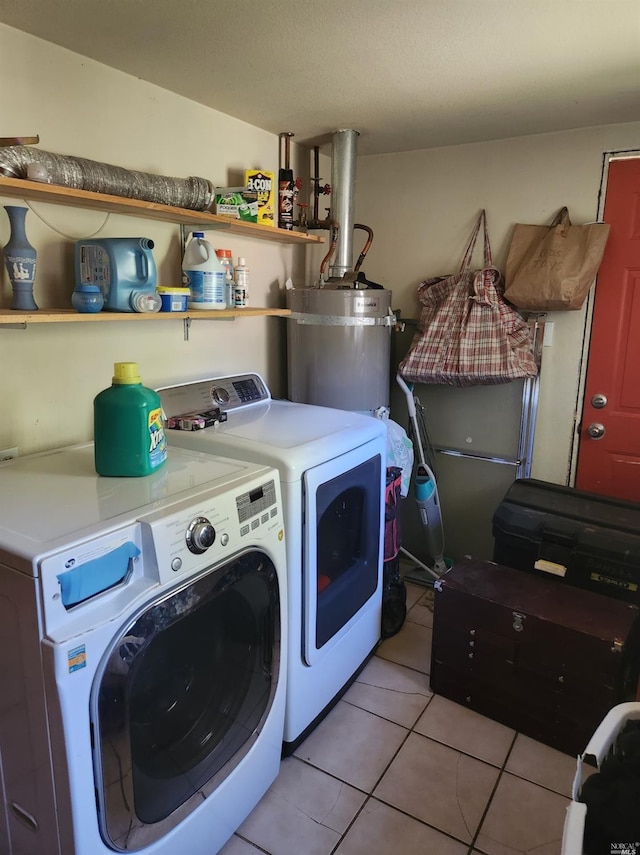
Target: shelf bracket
[186,323]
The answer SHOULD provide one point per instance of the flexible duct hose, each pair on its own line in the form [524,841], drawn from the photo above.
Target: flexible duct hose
[82,174]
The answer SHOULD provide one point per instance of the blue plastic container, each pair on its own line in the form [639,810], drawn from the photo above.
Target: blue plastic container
[173,299]
[87,298]
[123,269]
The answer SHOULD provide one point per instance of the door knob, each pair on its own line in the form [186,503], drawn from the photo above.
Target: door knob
[596,430]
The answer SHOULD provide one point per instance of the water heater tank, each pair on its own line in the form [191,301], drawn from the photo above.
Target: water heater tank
[338,347]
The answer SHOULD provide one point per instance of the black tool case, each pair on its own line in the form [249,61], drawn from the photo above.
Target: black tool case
[581,538]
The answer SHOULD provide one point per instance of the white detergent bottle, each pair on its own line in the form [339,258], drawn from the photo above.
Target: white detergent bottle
[203,274]
[241,289]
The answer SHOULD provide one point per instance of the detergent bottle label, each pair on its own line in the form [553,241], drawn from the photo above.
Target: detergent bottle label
[95,267]
[157,439]
[195,280]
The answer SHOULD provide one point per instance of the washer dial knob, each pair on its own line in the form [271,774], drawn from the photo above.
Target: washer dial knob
[200,535]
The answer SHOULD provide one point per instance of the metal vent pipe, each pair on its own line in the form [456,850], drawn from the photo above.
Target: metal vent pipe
[343,182]
[83,174]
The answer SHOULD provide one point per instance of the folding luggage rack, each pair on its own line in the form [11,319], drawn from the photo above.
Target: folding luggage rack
[421,573]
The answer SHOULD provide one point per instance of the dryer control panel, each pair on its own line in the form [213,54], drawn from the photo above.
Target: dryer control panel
[228,393]
[232,392]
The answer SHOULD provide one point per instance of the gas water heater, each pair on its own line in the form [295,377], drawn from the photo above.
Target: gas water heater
[339,334]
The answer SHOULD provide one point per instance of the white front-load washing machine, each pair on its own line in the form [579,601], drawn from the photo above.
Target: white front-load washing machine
[332,466]
[143,672]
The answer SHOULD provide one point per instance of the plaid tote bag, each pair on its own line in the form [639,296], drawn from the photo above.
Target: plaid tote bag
[467,334]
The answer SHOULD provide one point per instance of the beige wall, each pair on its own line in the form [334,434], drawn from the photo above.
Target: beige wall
[49,374]
[422,205]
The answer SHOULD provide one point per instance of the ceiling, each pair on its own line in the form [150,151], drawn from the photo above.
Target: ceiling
[407,74]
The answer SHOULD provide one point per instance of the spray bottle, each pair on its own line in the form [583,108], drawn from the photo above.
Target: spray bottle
[224,256]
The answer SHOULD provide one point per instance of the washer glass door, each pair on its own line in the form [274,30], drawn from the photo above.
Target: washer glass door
[181,697]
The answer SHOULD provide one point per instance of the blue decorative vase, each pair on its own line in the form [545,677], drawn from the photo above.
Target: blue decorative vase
[20,261]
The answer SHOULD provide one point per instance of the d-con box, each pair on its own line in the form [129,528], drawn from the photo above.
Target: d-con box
[263,183]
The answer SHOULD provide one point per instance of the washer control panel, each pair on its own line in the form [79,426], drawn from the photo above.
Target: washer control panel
[255,502]
[222,522]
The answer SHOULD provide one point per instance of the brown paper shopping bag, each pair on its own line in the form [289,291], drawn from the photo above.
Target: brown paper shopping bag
[551,268]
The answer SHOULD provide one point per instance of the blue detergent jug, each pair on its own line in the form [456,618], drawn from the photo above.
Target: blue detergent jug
[123,268]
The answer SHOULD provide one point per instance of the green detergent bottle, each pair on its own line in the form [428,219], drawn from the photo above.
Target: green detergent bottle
[128,429]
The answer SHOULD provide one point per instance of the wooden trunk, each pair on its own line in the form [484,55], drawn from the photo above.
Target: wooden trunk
[546,659]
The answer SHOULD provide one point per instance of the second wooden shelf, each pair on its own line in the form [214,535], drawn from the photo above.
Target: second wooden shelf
[61,316]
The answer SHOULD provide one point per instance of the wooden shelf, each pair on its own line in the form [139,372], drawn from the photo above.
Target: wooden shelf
[61,316]
[57,195]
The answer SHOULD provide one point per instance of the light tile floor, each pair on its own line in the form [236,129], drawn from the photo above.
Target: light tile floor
[396,770]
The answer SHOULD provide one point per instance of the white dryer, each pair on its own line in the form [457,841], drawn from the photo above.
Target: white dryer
[140,651]
[332,466]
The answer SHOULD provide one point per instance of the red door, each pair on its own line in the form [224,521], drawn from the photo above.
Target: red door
[609,445]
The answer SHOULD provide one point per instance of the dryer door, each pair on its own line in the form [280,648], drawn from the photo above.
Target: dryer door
[343,503]
[181,697]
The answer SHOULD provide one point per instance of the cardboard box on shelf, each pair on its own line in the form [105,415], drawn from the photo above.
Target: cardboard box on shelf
[237,203]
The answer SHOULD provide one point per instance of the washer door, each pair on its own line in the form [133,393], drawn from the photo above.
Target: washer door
[181,697]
